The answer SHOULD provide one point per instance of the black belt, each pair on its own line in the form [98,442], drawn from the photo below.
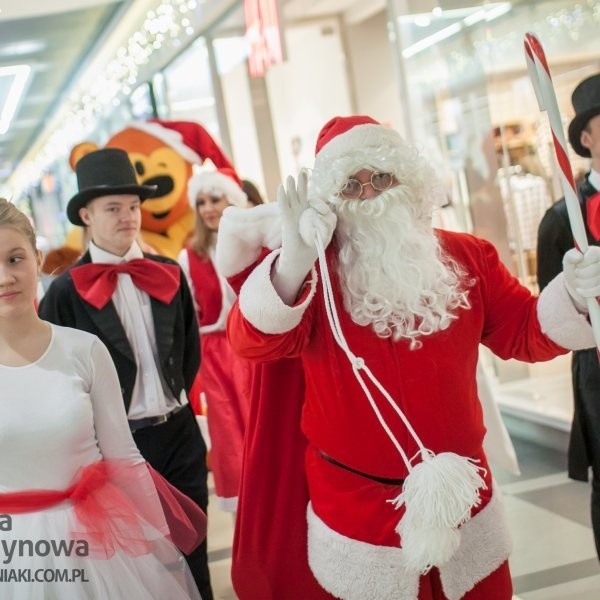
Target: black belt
[135,424]
[383,480]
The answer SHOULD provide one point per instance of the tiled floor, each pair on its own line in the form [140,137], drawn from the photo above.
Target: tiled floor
[553,557]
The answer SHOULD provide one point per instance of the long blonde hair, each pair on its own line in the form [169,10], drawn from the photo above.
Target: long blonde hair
[11,216]
[202,238]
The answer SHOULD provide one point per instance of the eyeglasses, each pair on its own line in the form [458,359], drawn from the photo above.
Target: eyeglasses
[353,188]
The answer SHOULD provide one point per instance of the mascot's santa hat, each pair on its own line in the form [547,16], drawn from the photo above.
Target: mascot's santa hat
[220,182]
[189,139]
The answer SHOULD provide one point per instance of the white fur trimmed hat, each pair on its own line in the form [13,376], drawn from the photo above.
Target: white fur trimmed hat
[220,182]
[347,144]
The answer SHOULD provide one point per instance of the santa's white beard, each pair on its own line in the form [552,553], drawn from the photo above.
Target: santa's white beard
[393,273]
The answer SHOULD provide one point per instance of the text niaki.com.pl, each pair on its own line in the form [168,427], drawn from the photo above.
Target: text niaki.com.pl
[42,575]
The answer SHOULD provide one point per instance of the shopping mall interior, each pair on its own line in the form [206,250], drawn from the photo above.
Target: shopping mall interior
[449,75]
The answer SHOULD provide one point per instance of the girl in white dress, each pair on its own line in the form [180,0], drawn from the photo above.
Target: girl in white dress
[80,516]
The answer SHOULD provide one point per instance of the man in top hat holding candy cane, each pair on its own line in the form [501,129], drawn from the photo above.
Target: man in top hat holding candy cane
[554,240]
[402,502]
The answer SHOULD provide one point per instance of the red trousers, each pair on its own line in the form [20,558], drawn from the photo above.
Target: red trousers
[496,586]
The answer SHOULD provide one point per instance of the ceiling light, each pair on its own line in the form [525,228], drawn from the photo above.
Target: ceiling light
[19,74]
[485,14]
[422,20]
[21,48]
[432,39]
[498,11]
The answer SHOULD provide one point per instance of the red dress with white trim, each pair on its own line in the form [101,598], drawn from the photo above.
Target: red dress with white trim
[223,374]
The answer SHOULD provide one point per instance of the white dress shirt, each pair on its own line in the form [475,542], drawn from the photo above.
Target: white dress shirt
[151,395]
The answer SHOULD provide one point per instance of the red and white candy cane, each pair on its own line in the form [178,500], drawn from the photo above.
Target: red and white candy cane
[537,65]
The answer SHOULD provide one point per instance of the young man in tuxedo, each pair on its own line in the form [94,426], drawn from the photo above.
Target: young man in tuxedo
[554,240]
[140,307]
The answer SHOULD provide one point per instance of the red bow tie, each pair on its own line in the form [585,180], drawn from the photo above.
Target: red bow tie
[96,282]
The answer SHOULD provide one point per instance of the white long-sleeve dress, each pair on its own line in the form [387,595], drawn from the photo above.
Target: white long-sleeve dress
[58,415]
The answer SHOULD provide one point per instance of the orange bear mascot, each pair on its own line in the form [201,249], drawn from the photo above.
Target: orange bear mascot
[163,154]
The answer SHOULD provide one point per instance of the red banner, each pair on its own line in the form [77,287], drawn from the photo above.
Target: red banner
[263,35]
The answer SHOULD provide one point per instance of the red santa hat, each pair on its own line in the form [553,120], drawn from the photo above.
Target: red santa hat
[220,182]
[187,138]
[347,144]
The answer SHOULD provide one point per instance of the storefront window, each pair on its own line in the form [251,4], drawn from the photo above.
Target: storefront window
[141,102]
[189,90]
[472,108]
[309,88]
[471,102]
[231,56]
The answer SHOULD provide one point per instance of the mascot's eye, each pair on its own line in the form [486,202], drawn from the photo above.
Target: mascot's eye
[139,167]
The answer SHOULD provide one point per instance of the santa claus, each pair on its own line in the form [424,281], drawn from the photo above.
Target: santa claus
[402,501]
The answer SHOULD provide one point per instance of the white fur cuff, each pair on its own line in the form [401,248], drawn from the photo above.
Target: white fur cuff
[353,570]
[227,504]
[560,320]
[261,305]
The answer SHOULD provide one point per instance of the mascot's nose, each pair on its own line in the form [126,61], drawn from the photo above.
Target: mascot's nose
[164,183]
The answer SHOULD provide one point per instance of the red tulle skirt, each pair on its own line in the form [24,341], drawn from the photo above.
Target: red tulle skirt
[119,528]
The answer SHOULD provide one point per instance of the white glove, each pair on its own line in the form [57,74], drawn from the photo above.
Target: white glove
[300,222]
[582,275]
[243,233]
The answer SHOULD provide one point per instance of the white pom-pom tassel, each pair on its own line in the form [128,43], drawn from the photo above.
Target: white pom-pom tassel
[438,495]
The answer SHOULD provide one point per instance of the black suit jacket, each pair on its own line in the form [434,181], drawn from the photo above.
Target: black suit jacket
[554,240]
[175,324]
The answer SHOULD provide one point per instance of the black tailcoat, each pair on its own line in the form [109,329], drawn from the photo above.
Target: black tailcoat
[175,325]
[554,240]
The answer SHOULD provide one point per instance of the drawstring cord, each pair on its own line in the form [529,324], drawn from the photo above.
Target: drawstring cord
[359,366]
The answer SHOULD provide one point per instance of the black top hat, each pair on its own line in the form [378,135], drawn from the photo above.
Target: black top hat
[586,102]
[106,172]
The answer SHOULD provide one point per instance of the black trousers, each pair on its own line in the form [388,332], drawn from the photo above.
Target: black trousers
[177,451]
[590,417]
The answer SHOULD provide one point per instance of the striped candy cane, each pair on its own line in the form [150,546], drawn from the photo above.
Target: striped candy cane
[537,65]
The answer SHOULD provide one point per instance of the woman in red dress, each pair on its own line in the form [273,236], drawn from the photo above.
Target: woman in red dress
[223,377]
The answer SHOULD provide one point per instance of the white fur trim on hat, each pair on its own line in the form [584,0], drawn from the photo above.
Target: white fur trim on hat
[363,146]
[170,137]
[355,570]
[261,305]
[560,320]
[217,184]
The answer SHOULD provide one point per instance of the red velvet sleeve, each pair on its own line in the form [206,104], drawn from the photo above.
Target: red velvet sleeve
[511,326]
[248,342]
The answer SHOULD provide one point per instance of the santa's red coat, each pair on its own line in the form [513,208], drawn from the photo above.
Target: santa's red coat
[434,385]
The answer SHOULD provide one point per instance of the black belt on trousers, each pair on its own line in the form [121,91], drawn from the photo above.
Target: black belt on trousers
[136,424]
[382,480]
